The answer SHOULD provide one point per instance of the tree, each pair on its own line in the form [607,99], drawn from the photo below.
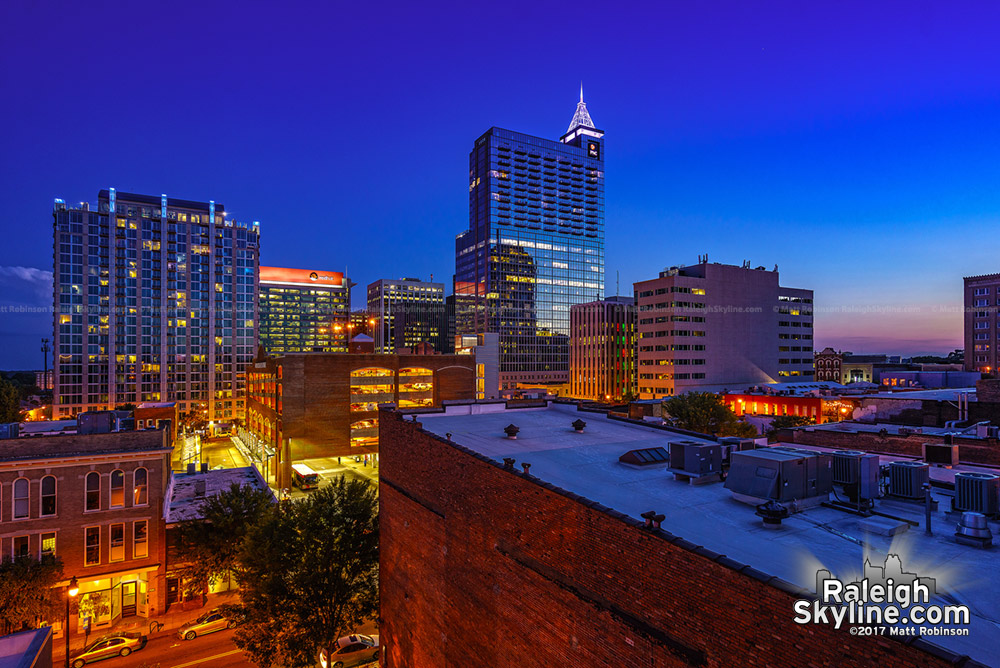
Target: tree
[209,547]
[10,402]
[309,575]
[788,422]
[126,407]
[705,413]
[27,597]
[193,420]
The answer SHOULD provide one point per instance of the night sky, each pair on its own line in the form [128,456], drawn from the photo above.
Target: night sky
[855,145]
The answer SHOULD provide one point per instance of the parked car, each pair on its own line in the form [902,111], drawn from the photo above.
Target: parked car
[353,650]
[105,647]
[212,621]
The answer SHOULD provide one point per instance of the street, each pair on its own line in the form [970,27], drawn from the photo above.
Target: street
[166,650]
[330,468]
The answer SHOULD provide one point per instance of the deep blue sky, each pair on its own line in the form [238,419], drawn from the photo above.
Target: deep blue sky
[856,145]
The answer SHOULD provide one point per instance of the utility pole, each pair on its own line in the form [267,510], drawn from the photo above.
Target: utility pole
[45,362]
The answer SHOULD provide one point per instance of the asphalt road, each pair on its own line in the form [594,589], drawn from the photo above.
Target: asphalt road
[166,650]
[329,468]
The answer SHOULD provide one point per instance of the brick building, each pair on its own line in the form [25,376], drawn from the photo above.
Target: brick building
[316,406]
[483,564]
[96,502]
[982,330]
[828,363]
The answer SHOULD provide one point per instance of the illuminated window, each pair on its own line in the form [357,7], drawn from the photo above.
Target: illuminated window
[140,540]
[139,492]
[117,552]
[117,488]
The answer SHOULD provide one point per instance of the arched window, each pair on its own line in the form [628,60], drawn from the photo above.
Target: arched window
[21,493]
[139,487]
[48,495]
[117,488]
[93,491]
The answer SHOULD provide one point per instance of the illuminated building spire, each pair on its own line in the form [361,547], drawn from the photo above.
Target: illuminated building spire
[581,119]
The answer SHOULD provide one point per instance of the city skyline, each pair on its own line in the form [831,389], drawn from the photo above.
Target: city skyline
[858,156]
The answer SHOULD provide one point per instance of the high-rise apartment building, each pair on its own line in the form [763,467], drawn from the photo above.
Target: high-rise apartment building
[155,300]
[304,311]
[408,312]
[535,244]
[602,355]
[712,324]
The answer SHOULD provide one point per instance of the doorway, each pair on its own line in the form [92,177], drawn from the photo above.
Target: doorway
[128,599]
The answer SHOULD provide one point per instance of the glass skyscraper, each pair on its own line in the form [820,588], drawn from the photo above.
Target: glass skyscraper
[155,300]
[535,244]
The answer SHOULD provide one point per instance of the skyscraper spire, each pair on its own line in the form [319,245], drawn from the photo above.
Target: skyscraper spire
[582,117]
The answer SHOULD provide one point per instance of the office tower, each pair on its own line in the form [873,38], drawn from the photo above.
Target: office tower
[155,300]
[982,296]
[535,244]
[603,349]
[409,312]
[304,311]
[710,325]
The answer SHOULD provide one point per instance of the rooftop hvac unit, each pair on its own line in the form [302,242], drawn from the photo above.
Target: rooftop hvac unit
[977,493]
[731,444]
[907,479]
[690,459]
[782,474]
[945,454]
[845,466]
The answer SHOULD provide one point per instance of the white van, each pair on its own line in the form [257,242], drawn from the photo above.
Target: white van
[304,477]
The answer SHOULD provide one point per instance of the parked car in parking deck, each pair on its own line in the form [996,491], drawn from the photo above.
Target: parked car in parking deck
[353,650]
[212,621]
[106,647]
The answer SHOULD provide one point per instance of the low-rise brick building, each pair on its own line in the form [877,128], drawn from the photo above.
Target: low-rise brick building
[312,406]
[96,502]
[487,562]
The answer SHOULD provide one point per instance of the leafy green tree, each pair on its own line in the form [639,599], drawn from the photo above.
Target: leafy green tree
[705,413]
[10,402]
[126,407]
[309,575]
[209,547]
[27,597]
[788,422]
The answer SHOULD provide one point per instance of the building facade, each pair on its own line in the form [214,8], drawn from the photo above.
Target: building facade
[602,359]
[711,324]
[95,501]
[408,312]
[155,299]
[827,363]
[982,329]
[535,244]
[302,407]
[486,350]
[304,311]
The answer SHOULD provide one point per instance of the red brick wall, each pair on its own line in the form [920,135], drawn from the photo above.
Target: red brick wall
[486,567]
[71,519]
[973,451]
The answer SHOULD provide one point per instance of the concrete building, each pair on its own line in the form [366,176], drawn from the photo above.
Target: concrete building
[304,311]
[408,312]
[486,350]
[548,550]
[602,349]
[302,407]
[534,245]
[712,323]
[155,300]
[982,329]
[95,501]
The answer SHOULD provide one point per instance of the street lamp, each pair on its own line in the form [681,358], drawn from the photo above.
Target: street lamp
[73,590]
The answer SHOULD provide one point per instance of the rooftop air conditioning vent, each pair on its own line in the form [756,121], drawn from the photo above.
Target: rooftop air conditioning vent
[907,479]
[977,493]
[698,462]
[845,466]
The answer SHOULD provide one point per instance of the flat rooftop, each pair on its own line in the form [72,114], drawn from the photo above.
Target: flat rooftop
[890,428]
[944,394]
[587,464]
[185,492]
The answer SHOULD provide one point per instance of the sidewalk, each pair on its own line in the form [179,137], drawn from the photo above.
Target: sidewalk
[171,621]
